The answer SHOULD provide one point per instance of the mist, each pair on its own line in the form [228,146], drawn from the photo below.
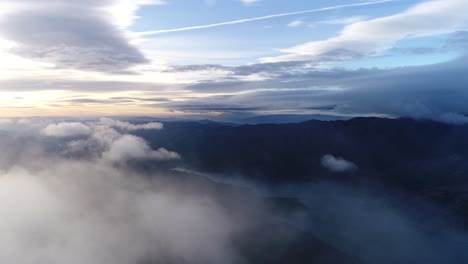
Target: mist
[69,210]
[77,194]
[381,225]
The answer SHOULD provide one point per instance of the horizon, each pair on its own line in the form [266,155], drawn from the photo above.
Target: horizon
[233,131]
[391,58]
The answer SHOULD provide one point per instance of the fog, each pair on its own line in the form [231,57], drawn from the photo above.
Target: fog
[379,225]
[67,210]
[69,197]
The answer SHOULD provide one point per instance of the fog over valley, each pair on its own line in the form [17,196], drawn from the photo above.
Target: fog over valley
[233,132]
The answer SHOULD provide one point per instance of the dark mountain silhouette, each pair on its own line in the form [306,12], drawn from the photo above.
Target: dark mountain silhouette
[402,153]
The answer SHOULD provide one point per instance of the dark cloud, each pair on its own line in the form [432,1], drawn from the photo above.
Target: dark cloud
[458,40]
[96,101]
[414,51]
[435,92]
[82,85]
[151,99]
[70,35]
[245,70]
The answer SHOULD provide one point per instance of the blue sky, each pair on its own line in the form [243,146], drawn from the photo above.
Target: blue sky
[234,57]
[260,38]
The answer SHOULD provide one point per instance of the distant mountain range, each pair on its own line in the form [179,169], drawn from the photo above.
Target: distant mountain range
[395,181]
[404,153]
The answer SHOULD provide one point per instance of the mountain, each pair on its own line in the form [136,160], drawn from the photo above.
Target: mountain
[403,153]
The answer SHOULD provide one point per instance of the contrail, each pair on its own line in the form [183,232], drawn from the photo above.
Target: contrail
[246,20]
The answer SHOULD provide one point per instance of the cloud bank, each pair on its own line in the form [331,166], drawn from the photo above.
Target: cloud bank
[82,212]
[371,37]
[129,147]
[130,127]
[66,129]
[104,142]
[85,35]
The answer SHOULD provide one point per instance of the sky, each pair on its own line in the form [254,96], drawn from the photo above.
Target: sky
[174,58]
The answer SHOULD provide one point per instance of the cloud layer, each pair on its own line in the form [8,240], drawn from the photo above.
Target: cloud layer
[371,37]
[66,129]
[104,142]
[82,212]
[82,35]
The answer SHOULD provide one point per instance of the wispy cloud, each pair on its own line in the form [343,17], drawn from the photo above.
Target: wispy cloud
[371,37]
[343,20]
[247,20]
[295,23]
[250,2]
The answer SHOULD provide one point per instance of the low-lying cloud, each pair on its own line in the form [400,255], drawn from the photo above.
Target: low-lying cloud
[85,212]
[74,210]
[70,209]
[131,127]
[66,129]
[337,164]
[129,147]
[105,142]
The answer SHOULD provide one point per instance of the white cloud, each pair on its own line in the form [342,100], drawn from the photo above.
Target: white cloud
[75,211]
[23,121]
[130,127]
[123,12]
[129,147]
[106,143]
[376,35]
[250,2]
[295,23]
[337,164]
[85,35]
[66,129]
[343,20]
[5,121]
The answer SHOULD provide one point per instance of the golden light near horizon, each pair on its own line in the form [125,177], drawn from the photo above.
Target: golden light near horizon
[72,57]
[60,103]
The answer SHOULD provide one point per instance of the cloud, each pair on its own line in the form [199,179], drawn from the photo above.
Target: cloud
[5,121]
[73,210]
[351,217]
[370,37]
[250,2]
[433,92]
[295,23]
[86,35]
[23,121]
[247,20]
[130,127]
[78,211]
[107,144]
[337,164]
[129,147]
[343,20]
[69,210]
[66,129]
[262,69]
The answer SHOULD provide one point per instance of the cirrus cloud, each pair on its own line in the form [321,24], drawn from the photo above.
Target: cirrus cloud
[370,37]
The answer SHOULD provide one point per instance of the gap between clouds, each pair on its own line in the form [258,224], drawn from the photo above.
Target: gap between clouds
[247,20]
